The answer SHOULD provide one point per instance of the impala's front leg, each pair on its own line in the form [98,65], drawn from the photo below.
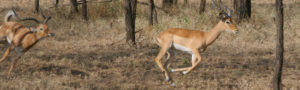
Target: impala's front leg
[186,68]
[195,63]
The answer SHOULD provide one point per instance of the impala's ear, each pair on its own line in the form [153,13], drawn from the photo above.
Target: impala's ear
[33,29]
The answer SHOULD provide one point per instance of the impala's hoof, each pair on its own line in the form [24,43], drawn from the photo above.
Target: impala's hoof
[173,85]
[172,70]
[184,72]
[167,79]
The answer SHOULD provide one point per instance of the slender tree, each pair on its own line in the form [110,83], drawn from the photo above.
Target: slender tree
[279,46]
[84,10]
[74,5]
[242,9]
[151,8]
[36,5]
[130,8]
[202,6]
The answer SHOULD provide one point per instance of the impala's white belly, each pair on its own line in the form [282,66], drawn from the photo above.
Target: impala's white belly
[182,48]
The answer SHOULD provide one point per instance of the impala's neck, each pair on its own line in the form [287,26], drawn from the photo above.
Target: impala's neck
[214,33]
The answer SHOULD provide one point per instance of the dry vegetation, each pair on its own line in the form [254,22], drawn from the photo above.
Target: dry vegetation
[93,55]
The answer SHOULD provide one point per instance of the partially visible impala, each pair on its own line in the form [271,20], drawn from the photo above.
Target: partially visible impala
[191,41]
[21,38]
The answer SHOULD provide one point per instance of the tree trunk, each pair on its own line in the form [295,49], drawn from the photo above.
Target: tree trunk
[167,3]
[202,6]
[242,9]
[84,10]
[175,1]
[36,6]
[130,20]
[150,15]
[279,46]
[185,2]
[74,5]
[56,3]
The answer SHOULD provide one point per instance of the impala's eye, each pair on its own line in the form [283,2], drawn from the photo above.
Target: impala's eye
[41,29]
[227,22]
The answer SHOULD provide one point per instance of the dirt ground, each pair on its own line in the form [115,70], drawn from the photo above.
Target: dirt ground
[93,55]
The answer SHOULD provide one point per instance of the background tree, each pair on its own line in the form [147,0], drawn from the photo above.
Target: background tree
[185,2]
[242,9]
[130,13]
[84,10]
[279,46]
[36,6]
[74,5]
[167,3]
[151,8]
[202,6]
[56,3]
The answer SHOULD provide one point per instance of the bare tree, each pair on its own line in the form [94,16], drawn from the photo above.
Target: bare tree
[36,5]
[202,6]
[74,5]
[279,46]
[84,10]
[130,13]
[242,9]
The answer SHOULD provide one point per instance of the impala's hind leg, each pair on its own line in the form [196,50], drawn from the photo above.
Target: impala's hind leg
[170,57]
[19,54]
[6,53]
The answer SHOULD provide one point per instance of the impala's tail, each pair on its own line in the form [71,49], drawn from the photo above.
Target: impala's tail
[9,15]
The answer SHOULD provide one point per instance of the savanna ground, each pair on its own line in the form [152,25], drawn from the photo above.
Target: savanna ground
[94,55]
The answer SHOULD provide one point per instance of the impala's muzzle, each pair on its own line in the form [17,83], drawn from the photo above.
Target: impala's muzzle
[51,34]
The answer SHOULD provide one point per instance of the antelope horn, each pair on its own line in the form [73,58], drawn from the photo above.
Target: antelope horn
[227,9]
[46,18]
[214,4]
[30,18]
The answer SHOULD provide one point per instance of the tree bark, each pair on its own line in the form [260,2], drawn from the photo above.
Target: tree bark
[74,5]
[150,15]
[202,6]
[36,6]
[130,20]
[185,2]
[242,9]
[279,46]
[56,3]
[84,10]
[167,3]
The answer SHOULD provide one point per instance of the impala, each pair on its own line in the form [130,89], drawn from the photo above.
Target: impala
[191,41]
[21,38]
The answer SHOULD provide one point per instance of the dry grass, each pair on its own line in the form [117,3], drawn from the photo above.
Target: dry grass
[93,55]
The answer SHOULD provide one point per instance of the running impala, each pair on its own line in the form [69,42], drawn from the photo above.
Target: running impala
[191,41]
[21,38]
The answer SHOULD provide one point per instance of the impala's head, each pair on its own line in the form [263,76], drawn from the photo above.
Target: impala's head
[42,29]
[227,23]
[225,17]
